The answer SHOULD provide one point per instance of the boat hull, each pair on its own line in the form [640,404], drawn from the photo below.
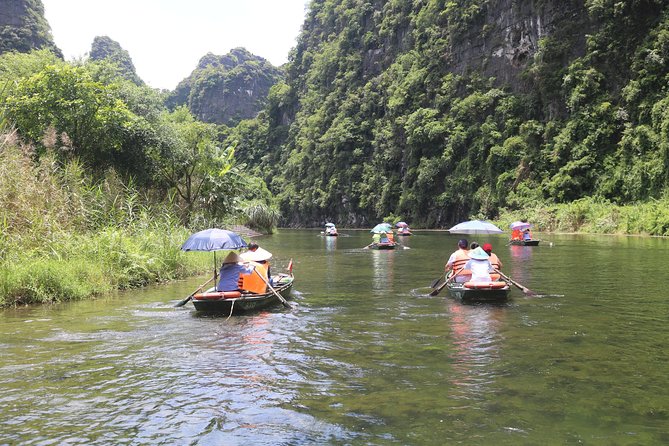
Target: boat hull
[331,235]
[247,302]
[524,242]
[404,234]
[384,246]
[459,292]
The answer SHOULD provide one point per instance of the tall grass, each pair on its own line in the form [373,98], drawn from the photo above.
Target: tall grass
[593,215]
[63,237]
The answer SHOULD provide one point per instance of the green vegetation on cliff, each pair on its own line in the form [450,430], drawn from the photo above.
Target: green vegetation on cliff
[23,27]
[439,110]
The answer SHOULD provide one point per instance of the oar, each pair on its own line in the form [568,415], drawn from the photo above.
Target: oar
[525,290]
[441,287]
[283,301]
[435,282]
[185,301]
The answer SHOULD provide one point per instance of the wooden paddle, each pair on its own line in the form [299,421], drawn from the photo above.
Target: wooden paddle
[441,287]
[435,282]
[525,290]
[283,301]
[186,300]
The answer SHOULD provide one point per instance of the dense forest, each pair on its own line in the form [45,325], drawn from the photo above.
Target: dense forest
[440,110]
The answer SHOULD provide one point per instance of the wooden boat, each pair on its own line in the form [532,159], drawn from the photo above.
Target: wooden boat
[385,245]
[234,302]
[404,233]
[479,292]
[524,242]
[331,234]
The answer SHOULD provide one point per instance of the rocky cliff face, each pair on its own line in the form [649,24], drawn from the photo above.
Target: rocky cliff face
[104,48]
[226,89]
[23,27]
[505,37]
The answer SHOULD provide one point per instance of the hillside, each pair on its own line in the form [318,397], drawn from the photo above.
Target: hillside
[226,89]
[105,48]
[23,27]
[440,110]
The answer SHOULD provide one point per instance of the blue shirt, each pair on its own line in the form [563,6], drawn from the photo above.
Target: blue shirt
[229,276]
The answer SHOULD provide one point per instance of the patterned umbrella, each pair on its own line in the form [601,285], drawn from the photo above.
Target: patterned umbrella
[522,225]
[381,228]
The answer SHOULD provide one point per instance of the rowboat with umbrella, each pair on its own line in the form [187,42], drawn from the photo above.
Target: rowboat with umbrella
[521,234]
[239,301]
[330,230]
[402,228]
[383,237]
[475,291]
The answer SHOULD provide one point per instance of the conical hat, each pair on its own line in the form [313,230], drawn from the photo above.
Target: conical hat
[258,255]
[478,254]
[231,258]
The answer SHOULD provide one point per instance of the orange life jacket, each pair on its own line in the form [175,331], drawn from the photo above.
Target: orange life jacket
[252,282]
[516,235]
[461,258]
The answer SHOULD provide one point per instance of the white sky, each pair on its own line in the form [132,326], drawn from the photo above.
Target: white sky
[166,38]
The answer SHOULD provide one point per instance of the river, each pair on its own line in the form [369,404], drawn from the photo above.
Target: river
[365,357]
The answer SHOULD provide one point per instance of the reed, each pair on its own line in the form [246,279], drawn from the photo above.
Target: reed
[63,237]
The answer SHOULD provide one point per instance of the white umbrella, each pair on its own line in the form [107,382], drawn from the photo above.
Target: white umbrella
[475,227]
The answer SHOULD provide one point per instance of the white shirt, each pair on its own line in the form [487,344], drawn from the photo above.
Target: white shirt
[480,270]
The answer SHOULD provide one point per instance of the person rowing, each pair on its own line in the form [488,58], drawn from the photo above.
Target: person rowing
[457,260]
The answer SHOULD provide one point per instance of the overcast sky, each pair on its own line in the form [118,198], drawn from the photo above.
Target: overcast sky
[166,38]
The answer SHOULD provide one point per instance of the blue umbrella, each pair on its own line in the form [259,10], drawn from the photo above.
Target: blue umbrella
[213,240]
[381,228]
[475,227]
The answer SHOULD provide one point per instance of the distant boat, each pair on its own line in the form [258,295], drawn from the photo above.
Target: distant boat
[531,242]
[330,230]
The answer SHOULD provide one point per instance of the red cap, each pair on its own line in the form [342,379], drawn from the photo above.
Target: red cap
[487,247]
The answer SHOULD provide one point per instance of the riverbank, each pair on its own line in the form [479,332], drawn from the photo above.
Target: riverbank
[594,216]
[74,267]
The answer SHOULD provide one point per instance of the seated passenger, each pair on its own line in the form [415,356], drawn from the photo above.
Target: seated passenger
[457,261]
[527,235]
[479,265]
[516,235]
[230,272]
[494,261]
[260,256]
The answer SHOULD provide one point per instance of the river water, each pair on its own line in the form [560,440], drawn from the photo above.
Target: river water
[365,357]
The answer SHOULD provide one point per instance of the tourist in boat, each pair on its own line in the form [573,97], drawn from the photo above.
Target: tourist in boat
[260,256]
[479,265]
[527,235]
[494,260]
[473,245]
[330,229]
[230,273]
[391,237]
[384,238]
[516,234]
[457,261]
[376,238]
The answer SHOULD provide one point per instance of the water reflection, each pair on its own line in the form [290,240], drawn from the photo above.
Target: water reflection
[476,343]
[330,243]
[382,268]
